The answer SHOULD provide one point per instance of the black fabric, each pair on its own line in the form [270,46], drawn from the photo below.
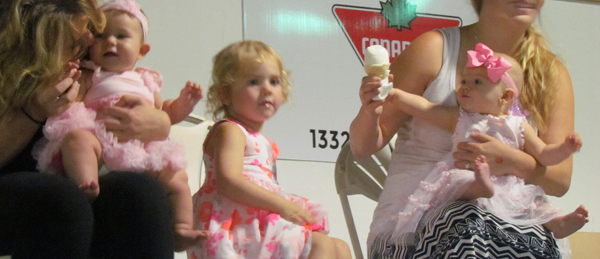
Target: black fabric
[43,216]
[133,218]
[47,216]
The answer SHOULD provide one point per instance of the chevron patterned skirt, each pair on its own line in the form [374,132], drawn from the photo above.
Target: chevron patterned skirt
[463,230]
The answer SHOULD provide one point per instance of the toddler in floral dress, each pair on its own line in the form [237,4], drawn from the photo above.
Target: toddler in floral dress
[241,204]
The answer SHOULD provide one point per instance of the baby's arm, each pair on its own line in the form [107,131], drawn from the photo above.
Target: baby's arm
[444,117]
[226,145]
[179,108]
[550,154]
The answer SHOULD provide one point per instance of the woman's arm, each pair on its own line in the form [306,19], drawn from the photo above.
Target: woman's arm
[16,132]
[555,180]
[226,145]
[132,117]
[378,121]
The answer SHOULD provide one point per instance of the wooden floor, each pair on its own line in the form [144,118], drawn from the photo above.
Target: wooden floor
[585,245]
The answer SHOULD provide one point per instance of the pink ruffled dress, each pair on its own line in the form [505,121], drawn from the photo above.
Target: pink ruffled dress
[107,88]
[240,231]
[513,200]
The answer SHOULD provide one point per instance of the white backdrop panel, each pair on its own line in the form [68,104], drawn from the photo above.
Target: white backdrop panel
[326,72]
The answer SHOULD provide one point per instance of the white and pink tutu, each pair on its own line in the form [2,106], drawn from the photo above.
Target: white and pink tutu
[107,88]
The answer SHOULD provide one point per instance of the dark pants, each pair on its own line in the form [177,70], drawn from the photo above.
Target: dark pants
[46,216]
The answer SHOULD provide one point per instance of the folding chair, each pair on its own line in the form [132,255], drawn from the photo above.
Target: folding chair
[192,136]
[364,176]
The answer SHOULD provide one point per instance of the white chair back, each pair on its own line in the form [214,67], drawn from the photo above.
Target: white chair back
[365,177]
[191,133]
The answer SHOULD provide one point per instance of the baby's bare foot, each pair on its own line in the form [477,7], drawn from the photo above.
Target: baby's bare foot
[568,224]
[482,177]
[186,238]
[91,189]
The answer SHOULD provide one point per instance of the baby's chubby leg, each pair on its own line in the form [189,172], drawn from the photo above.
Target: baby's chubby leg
[482,186]
[178,191]
[81,154]
[566,225]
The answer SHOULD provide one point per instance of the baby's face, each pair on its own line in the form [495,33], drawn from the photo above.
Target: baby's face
[118,48]
[478,94]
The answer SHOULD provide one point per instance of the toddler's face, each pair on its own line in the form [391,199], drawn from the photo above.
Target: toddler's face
[119,47]
[256,93]
[478,94]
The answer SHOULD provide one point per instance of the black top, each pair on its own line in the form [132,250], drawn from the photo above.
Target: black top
[24,161]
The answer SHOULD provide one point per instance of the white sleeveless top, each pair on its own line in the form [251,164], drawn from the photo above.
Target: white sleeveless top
[419,145]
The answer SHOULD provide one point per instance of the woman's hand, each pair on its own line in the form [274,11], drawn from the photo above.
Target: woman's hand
[132,117]
[52,101]
[496,153]
[294,213]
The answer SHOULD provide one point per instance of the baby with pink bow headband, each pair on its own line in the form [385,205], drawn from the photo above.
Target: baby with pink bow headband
[78,143]
[489,86]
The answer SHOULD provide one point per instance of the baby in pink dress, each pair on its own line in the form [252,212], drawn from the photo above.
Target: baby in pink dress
[78,144]
[488,99]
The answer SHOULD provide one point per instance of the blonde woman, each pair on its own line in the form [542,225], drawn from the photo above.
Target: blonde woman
[430,67]
[45,216]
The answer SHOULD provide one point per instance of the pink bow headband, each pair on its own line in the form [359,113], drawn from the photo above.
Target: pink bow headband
[496,67]
[131,7]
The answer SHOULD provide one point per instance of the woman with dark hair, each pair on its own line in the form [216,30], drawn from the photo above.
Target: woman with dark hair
[47,216]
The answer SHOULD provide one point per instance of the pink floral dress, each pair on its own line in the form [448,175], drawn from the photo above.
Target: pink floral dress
[240,231]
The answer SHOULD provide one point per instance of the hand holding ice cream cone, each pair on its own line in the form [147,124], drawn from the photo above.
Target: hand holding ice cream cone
[377,63]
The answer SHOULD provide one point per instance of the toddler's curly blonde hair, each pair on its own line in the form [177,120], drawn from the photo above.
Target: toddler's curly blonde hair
[227,63]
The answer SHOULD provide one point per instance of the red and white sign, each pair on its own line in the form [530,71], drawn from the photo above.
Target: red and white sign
[368,26]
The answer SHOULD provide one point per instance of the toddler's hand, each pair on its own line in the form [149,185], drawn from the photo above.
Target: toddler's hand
[572,143]
[297,215]
[191,93]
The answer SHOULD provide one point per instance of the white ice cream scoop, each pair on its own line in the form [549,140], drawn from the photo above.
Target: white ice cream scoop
[377,63]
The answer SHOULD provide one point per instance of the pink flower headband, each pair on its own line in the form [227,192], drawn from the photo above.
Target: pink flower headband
[496,67]
[131,7]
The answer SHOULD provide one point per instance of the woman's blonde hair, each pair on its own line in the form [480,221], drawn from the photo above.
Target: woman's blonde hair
[227,63]
[37,39]
[540,68]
